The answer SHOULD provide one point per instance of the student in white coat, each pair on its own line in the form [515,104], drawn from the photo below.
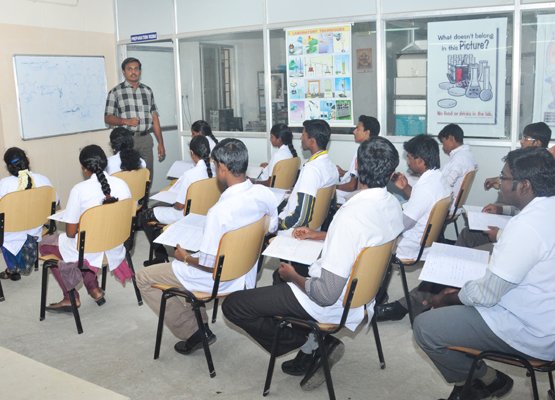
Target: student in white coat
[240,204]
[97,188]
[202,128]
[20,248]
[281,137]
[125,157]
[203,169]
[370,218]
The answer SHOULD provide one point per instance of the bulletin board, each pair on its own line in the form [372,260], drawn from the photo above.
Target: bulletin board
[59,95]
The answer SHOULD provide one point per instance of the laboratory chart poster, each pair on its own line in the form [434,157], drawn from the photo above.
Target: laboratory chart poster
[544,88]
[466,76]
[319,75]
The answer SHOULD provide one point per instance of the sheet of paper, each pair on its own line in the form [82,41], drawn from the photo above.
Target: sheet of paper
[178,167]
[186,232]
[254,171]
[59,216]
[468,208]
[453,265]
[481,221]
[166,196]
[343,197]
[291,249]
[280,194]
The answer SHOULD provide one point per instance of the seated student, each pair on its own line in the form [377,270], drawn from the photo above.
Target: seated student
[282,138]
[318,172]
[125,157]
[203,169]
[370,218]
[460,161]
[512,308]
[366,128]
[202,128]
[20,248]
[534,135]
[422,159]
[241,203]
[97,188]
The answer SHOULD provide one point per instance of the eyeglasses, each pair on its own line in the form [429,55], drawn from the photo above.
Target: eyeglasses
[527,139]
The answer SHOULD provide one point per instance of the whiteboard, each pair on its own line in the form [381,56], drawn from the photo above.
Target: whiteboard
[59,95]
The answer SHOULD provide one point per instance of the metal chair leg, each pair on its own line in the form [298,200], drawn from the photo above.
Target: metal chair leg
[44,286]
[1,293]
[407,294]
[272,362]
[215,310]
[325,364]
[133,279]
[205,345]
[160,329]
[75,311]
[103,280]
[378,341]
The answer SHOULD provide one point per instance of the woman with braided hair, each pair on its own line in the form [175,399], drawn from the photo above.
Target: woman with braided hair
[125,157]
[202,128]
[203,169]
[20,248]
[97,188]
[281,137]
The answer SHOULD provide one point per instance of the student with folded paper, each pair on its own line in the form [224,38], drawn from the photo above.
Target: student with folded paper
[512,308]
[372,217]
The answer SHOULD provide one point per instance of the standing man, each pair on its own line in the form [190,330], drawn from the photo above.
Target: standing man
[131,104]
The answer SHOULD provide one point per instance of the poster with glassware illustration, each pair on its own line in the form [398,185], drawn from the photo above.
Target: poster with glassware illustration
[466,75]
[319,75]
[544,86]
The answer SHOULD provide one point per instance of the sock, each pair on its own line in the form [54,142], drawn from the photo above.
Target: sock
[310,345]
[489,376]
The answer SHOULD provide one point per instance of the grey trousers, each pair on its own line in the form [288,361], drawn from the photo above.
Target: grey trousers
[474,239]
[437,329]
[144,144]
[179,318]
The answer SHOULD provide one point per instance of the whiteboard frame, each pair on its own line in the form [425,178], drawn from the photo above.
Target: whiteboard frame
[18,97]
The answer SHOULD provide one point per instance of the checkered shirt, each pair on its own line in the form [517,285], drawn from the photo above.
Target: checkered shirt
[125,102]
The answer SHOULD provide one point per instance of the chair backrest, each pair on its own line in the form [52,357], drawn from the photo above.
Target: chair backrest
[106,226]
[240,249]
[285,172]
[435,223]
[368,270]
[26,209]
[321,206]
[201,195]
[466,184]
[137,180]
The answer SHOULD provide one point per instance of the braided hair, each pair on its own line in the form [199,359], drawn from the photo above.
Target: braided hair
[204,129]
[93,158]
[282,131]
[121,140]
[17,164]
[201,148]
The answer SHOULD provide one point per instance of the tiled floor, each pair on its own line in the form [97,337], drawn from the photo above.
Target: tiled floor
[116,352]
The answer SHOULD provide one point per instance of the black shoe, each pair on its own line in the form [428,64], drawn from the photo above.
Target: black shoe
[154,261]
[194,342]
[316,376]
[390,312]
[501,385]
[299,365]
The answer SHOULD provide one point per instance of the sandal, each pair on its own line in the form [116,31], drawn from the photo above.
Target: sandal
[100,300]
[15,276]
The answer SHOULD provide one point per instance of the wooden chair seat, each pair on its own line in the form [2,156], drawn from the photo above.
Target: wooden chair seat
[535,363]
[203,296]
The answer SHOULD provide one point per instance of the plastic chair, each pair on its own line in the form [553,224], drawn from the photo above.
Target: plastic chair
[364,282]
[431,233]
[25,209]
[321,206]
[101,228]
[285,173]
[530,365]
[237,253]
[460,200]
